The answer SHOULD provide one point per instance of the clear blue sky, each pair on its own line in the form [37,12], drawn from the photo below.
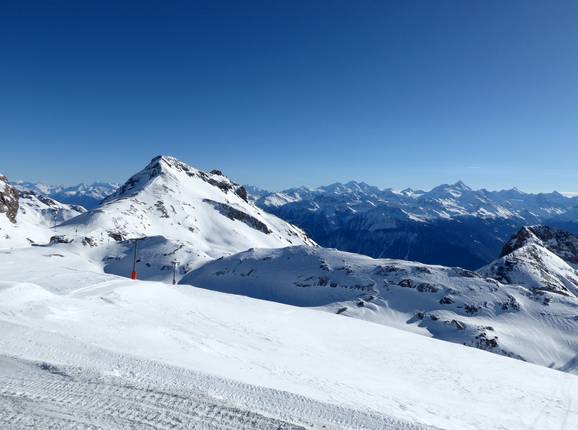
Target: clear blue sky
[282,93]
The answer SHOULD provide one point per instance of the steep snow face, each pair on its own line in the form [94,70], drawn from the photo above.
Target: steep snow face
[451,224]
[86,195]
[27,218]
[195,215]
[452,304]
[110,350]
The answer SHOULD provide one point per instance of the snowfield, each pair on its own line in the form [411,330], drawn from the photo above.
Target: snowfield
[81,348]
[527,321]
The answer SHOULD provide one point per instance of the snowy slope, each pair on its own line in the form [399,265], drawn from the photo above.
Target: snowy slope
[183,213]
[80,346]
[27,218]
[452,304]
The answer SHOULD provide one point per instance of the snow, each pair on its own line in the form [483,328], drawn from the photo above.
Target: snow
[278,361]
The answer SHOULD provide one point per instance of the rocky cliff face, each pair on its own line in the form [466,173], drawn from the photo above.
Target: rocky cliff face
[8,200]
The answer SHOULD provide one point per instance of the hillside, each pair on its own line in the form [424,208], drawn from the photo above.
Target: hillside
[451,304]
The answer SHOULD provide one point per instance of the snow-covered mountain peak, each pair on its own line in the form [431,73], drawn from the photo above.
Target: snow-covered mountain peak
[174,175]
[448,191]
[460,185]
[184,213]
[559,242]
[354,189]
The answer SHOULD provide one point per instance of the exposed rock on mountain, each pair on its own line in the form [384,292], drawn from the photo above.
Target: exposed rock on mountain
[8,200]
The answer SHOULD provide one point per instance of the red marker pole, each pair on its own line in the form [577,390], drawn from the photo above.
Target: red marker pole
[133,273]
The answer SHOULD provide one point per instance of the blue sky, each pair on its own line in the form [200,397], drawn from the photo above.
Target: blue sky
[282,93]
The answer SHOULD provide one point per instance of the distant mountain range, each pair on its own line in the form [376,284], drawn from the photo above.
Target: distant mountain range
[88,196]
[451,224]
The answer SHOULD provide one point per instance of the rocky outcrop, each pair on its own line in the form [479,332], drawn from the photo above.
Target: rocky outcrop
[235,214]
[8,200]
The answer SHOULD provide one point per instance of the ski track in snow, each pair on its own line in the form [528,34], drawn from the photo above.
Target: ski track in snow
[40,395]
[125,392]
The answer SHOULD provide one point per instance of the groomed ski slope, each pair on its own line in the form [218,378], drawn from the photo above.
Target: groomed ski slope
[286,365]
